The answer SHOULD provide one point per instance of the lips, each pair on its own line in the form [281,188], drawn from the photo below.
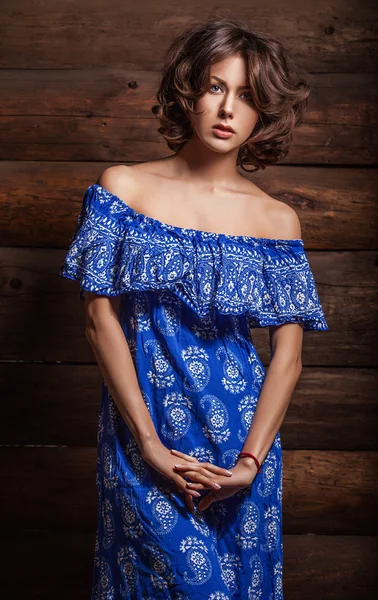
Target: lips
[223,132]
[223,127]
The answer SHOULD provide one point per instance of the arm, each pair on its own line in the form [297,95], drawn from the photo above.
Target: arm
[106,337]
[107,340]
[284,369]
[280,381]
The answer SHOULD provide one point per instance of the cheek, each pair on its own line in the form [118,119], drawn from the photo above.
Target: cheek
[203,105]
[206,111]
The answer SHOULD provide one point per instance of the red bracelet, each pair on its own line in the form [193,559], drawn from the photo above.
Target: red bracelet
[254,458]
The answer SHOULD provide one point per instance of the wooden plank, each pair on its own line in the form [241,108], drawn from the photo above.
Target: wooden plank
[50,404]
[116,93]
[332,567]
[329,492]
[337,207]
[54,565]
[322,566]
[136,35]
[43,318]
[325,492]
[59,405]
[106,115]
[325,403]
[130,139]
[81,139]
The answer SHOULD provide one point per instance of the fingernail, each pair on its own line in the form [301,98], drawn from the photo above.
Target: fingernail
[217,486]
[178,465]
[189,484]
[229,472]
[197,494]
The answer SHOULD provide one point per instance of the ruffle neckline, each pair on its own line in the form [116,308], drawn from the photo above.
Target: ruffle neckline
[115,250]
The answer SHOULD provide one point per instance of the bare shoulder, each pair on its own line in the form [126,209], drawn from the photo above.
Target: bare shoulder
[130,180]
[118,179]
[285,220]
[277,218]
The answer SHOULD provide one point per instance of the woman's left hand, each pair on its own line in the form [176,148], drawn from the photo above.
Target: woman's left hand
[242,476]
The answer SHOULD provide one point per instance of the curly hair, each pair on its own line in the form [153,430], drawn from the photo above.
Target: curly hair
[277,85]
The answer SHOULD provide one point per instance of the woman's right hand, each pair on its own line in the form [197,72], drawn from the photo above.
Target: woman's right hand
[160,458]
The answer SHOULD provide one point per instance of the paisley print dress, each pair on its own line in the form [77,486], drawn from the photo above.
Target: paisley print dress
[189,299]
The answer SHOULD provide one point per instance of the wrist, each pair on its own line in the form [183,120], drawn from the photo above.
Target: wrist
[246,455]
[148,442]
[248,462]
[246,468]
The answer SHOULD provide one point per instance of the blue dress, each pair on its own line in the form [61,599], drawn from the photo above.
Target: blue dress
[188,301]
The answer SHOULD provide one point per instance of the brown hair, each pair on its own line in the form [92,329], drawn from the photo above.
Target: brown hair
[277,85]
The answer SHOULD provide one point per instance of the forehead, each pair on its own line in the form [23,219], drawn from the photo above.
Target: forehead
[232,70]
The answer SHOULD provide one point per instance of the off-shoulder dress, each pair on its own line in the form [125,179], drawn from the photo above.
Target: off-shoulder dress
[189,299]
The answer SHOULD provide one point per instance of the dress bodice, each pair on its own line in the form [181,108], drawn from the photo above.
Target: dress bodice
[115,250]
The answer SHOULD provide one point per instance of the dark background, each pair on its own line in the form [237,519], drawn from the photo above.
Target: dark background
[77,82]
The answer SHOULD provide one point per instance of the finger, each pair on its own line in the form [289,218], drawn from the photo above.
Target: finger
[209,466]
[206,501]
[189,502]
[193,493]
[203,470]
[183,455]
[181,484]
[197,478]
[191,485]
[215,469]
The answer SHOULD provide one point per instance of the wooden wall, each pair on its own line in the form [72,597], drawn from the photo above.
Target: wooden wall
[77,84]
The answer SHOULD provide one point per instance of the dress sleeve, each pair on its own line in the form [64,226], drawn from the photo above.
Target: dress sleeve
[93,254]
[291,295]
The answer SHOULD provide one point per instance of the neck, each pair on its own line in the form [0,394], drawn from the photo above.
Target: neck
[195,161]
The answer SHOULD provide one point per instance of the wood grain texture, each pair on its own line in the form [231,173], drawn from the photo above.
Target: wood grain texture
[135,35]
[119,93]
[47,404]
[325,492]
[105,115]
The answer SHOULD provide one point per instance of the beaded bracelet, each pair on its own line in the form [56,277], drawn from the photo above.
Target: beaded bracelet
[252,456]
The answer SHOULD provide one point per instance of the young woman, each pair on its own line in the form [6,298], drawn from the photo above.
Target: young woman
[177,260]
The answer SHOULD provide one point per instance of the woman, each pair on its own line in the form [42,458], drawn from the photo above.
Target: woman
[177,260]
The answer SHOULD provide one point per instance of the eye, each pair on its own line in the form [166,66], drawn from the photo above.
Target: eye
[248,94]
[215,85]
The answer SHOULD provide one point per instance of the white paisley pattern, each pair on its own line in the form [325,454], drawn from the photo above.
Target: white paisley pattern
[188,301]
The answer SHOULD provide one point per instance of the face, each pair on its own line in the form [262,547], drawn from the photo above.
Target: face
[228,101]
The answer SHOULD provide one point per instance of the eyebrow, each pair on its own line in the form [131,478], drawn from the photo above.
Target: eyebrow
[241,87]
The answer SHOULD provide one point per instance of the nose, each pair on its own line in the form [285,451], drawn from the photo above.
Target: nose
[226,110]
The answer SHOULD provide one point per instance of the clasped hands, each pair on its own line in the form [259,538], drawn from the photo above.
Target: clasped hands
[176,465]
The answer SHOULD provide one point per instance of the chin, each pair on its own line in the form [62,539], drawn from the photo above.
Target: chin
[219,145]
